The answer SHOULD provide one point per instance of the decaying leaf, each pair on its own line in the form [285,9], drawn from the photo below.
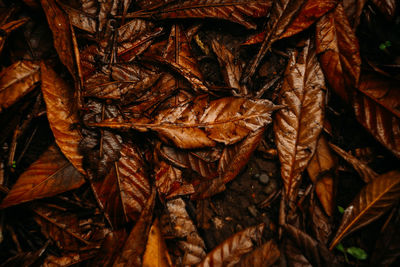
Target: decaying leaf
[8,28]
[68,259]
[16,81]
[387,7]
[372,202]
[297,127]
[353,9]
[50,175]
[264,256]
[337,47]
[229,252]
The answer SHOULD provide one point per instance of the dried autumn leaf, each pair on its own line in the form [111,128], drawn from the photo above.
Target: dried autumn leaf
[7,28]
[110,247]
[189,240]
[126,188]
[282,13]
[203,123]
[59,99]
[387,7]
[337,47]
[156,253]
[294,257]
[297,127]
[365,172]
[69,258]
[321,224]
[321,172]
[372,202]
[236,11]
[80,19]
[353,9]
[229,252]
[50,175]
[134,247]
[16,81]
[376,108]
[60,26]
[264,256]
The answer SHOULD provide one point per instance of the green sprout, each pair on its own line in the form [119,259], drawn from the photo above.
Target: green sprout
[356,252]
[385,45]
[341,209]
[14,164]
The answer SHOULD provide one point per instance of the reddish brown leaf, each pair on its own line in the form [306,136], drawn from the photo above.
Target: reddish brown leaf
[110,247]
[8,28]
[236,11]
[337,47]
[231,250]
[59,98]
[126,188]
[372,202]
[16,81]
[376,108]
[297,127]
[69,258]
[365,172]
[387,7]
[321,172]
[50,175]
[80,19]
[353,9]
[321,224]
[294,257]
[264,256]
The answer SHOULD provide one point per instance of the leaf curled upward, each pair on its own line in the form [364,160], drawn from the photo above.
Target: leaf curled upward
[298,126]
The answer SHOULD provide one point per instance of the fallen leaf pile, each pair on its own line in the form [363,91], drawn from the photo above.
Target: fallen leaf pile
[199,133]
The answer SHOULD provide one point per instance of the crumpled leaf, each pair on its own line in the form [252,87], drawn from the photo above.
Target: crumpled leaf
[264,256]
[372,202]
[297,127]
[229,252]
[16,81]
[203,123]
[338,50]
[321,172]
[126,188]
[236,11]
[50,175]
[376,108]
[365,172]
[59,98]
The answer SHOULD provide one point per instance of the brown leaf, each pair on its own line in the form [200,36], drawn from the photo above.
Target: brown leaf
[126,188]
[387,7]
[232,249]
[321,172]
[156,253]
[59,98]
[8,28]
[294,257]
[337,47]
[282,13]
[111,246]
[203,123]
[321,224]
[50,175]
[365,172]
[134,247]
[297,127]
[80,19]
[373,201]
[68,258]
[60,26]
[353,9]
[237,11]
[376,108]
[264,256]
[16,81]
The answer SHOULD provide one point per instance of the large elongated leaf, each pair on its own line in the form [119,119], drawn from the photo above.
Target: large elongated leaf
[373,201]
[203,123]
[50,175]
[229,252]
[297,127]
[126,188]
[337,47]
[16,81]
[59,99]
[236,11]
[376,108]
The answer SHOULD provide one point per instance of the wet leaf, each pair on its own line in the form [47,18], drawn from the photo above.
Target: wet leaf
[237,11]
[16,81]
[156,253]
[59,98]
[365,172]
[376,108]
[50,175]
[321,172]
[337,47]
[372,202]
[265,256]
[125,190]
[297,127]
[229,252]
[203,123]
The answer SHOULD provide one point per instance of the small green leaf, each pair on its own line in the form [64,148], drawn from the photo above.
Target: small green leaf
[388,43]
[341,209]
[382,46]
[14,164]
[357,253]
[340,247]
